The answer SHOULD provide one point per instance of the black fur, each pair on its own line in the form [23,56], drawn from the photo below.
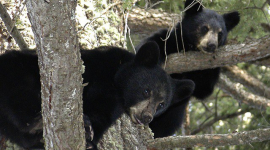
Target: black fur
[196,24]
[117,80]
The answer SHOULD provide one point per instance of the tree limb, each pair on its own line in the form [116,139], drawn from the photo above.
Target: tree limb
[242,96]
[254,85]
[263,62]
[216,119]
[12,28]
[210,140]
[146,22]
[227,55]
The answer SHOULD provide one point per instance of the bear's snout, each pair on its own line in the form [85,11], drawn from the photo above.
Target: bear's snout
[147,118]
[211,47]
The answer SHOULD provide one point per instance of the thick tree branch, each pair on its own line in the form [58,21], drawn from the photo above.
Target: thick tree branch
[227,55]
[263,62]
[145,22]
[216,119]
[13,31]
[241,76]
[210,140]
[236,91]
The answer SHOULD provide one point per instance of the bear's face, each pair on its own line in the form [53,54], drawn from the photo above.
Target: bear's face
[146,88]
[206,30]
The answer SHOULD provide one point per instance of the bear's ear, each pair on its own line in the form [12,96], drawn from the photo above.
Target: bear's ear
[148,54]
[231,20]
[183,89]
[193,7]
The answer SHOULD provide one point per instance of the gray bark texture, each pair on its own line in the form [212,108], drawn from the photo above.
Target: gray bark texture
[210,140]
[145,22]
[53,23]
[227,55]
[124,134]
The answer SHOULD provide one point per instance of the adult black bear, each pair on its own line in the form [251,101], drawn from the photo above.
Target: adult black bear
[202,30]
[118,81]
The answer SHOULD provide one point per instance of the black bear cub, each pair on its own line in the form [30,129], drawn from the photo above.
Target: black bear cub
[202,30]
[118,82]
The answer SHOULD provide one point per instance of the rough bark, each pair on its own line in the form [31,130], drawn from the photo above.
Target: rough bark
[12,29]
[227,55]
[105,26]
[125,135]
[53,23]
[142,21]
[236,91]
[210,140]
[253,84]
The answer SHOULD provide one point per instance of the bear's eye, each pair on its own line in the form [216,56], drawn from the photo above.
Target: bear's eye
[204,29]
[220,35]
[146,93]
[160,105]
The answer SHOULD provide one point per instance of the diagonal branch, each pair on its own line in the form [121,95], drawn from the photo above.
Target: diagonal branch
[242,96]
[253,84]
[227,55]
[12,28]
[216,119]
[210,140]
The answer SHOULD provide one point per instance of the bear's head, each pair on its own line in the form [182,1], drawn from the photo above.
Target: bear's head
[206,30]
[145,87]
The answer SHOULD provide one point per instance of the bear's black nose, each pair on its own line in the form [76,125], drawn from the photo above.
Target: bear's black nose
[211,47]
[147,118]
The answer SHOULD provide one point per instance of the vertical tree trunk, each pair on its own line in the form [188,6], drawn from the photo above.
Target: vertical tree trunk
[53,23]
[106,26]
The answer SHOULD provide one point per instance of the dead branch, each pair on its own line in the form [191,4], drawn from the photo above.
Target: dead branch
[210,140]
[254,85]
[13,31]
[236,91]
[227,55]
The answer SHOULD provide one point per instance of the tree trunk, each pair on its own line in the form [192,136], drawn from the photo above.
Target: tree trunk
[105,25]
[53,23]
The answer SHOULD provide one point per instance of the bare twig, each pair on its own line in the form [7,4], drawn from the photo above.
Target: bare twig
[105,11]
[216,119]
[12,28]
